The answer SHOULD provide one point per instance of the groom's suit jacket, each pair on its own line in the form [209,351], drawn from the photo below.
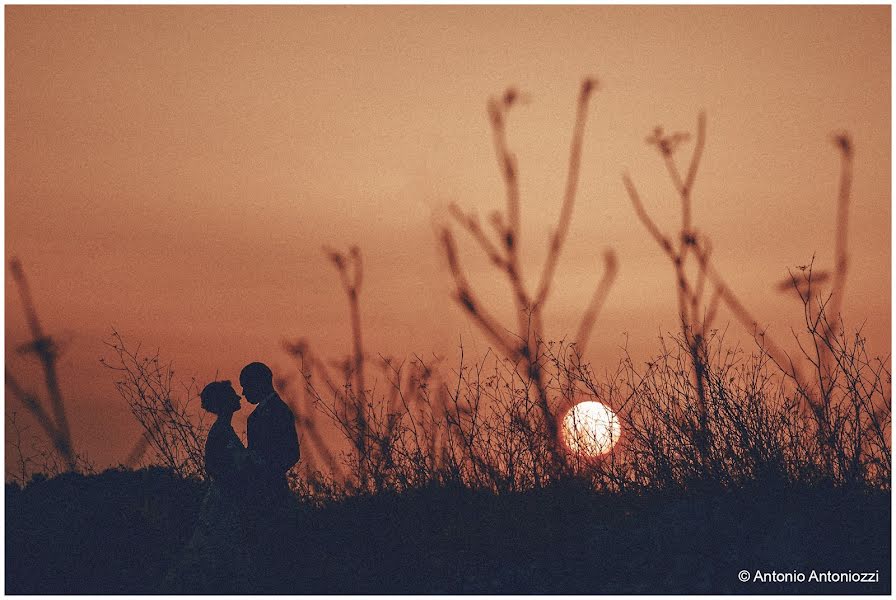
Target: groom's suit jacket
[272,437]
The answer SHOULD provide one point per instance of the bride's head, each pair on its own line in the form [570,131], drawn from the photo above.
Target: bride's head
[220,398]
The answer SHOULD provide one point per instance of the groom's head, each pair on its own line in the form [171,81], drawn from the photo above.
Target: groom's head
[257,381]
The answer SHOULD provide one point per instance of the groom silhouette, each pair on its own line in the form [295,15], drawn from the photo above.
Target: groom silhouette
[274,446]
[272,432]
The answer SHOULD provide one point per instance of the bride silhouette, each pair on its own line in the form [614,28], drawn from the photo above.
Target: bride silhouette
[215,560]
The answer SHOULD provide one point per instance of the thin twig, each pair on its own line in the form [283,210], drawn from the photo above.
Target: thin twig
[569,194]
[611,266]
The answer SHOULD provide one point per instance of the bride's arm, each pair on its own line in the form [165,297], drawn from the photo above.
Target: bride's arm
[244,461]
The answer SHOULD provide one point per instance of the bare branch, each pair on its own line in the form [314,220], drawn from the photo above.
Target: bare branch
[654,231]
[352,285]
[750,323]
[466,298]
[47,352]
[471,224]
[611,266]
[688,185]
[569,194]
[34,407]
[845,146]
[497,109]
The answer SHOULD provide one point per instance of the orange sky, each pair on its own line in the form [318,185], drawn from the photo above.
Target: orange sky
[174,171]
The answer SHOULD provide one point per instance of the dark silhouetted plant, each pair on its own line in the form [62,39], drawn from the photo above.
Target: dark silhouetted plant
[524,347]
[53,420]
[172,427]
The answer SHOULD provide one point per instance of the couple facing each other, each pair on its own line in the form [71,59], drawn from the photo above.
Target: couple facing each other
[259,470]
[246,510]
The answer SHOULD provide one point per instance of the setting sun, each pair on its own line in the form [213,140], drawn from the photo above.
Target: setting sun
[590,428]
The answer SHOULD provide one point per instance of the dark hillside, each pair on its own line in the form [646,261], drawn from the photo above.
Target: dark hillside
[107,533]
[119,531]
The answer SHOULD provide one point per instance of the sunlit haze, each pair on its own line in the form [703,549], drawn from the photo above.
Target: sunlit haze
[174,172]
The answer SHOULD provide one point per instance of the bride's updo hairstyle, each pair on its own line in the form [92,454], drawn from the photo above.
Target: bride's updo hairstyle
[214,396]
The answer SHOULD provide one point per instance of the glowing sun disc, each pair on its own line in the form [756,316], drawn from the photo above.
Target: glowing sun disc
[590,428]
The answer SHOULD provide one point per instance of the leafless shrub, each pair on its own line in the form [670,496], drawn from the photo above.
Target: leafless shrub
[416,430]
[32,456]
[524,348]
[382,455]
[739,417]
[850,398]
[172,428]
[351,273]
[492,420]
[475,428]
[758,425]
[697,315]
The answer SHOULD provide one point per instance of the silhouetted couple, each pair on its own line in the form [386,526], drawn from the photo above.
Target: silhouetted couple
[245,516]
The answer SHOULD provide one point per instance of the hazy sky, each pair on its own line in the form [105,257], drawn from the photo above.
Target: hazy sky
[174,172]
